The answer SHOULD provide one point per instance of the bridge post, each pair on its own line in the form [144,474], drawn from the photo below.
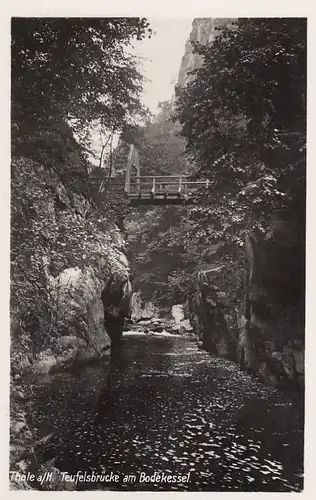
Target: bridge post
[135,165]
[153,189]
[132,162]
[180,185]
[128,170]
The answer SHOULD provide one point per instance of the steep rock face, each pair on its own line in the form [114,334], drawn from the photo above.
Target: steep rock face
[271,340]
[86,298]
[66,254]
[209,315]
[204,31]
[70,280]
[267,337]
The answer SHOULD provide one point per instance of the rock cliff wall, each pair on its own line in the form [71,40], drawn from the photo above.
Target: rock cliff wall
[265,336]
[87,303]
[70,286]
[204,31]
[271,340]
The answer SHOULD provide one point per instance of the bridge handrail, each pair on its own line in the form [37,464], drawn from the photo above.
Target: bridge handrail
[156,185]
[168,183]
[163,179]
[160,177]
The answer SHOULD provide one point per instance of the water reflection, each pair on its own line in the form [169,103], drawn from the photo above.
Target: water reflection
[161,405]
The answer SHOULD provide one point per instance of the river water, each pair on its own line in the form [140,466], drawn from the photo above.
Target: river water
[163,405]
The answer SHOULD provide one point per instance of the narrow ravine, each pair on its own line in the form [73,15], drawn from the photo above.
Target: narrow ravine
[158,254]
[163,405]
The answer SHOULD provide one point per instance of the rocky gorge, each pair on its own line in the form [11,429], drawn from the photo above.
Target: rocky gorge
[165,338]
[262,325]
[265,334]
[247,306]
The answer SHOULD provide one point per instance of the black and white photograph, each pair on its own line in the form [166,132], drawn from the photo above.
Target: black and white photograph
[157,253]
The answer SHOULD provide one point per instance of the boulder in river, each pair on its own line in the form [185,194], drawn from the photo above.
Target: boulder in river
[177,313]
[142,310]
[180,323]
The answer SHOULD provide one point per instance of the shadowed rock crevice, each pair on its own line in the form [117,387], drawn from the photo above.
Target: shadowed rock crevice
[116,300]
[266,336]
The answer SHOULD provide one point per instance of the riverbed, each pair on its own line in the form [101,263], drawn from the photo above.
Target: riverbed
[162,405]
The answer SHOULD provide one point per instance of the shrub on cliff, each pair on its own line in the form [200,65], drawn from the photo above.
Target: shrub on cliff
[243,115]
[244,119]
[48,235]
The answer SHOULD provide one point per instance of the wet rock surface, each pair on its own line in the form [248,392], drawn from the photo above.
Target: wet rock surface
[163,405]
[156,324]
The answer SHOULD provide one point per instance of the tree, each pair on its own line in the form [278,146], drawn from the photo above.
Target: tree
[66,75]
[161,150]
[243,115]
[157,235]
[160,147]
[244,119]
[75,70]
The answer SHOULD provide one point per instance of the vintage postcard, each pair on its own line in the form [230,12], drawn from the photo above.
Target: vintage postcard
[157,253]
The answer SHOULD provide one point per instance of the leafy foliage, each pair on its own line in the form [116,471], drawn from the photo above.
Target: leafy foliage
[241,134]
[67,75]
[51,230]
[240,129]
[74,69]
[160,147]
[244,136]
[161,150]
[156,234]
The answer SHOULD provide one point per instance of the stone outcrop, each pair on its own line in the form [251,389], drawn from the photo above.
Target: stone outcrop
[271,338]
[210,313]
[266,338]
[87,303]
[80,309]
[180,323]
[204,31]
[142,310]
[88,294]
[145,318]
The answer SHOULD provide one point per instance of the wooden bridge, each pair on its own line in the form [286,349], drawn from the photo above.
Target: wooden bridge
[162,190]
[157,189]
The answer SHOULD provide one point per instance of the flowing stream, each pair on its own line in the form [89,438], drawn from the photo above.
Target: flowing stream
[163,405]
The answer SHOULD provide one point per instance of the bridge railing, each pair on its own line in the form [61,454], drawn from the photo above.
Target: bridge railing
[164,185]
